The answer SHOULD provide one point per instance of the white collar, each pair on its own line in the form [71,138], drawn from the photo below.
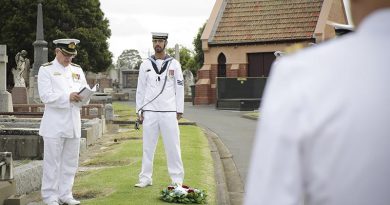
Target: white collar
[58,64]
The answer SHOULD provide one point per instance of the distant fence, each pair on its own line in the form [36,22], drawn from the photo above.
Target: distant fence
[240,93]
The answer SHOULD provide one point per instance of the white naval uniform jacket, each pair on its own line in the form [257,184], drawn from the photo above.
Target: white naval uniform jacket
[324,133]
[149,86]
[55,83]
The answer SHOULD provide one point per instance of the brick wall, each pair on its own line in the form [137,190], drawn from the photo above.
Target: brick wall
[231,73]
[206,93]
[202,94]
[243,71]
[213,73]
[213,96]
[203,74]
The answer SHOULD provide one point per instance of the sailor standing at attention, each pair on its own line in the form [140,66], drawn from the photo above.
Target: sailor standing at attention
[59,82]
[160,104]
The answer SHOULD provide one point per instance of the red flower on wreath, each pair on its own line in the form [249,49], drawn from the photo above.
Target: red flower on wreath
[185,187]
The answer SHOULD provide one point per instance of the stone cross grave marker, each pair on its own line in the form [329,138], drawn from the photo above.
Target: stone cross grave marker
[5,97]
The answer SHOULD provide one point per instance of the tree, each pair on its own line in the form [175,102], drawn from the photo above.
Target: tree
[199,55]
[186,57]
[129,59]
[83,20]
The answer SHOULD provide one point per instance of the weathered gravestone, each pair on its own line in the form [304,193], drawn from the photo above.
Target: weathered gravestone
[188,81]
[5,97]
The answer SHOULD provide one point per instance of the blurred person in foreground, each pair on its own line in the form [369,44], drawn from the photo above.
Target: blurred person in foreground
[324,136]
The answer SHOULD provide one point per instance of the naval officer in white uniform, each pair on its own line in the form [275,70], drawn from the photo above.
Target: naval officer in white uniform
[160,104]
[59,82]
[324,134]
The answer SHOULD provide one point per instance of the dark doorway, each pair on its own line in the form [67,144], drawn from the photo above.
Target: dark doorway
[221,65]
[259,64]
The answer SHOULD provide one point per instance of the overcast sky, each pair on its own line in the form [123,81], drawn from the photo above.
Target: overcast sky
[131,22]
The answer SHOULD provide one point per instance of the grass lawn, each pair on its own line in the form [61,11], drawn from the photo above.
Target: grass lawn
[124,112]
[112,168]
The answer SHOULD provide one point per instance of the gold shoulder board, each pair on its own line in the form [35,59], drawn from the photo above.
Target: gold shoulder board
[47,64]
[74,64]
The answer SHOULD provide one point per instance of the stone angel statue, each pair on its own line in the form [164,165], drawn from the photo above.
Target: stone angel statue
[22,64]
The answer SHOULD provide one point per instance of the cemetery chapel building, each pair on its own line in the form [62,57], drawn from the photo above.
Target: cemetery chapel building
[241,36]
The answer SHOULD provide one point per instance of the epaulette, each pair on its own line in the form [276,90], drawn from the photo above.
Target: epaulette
[47,64]
[74,64]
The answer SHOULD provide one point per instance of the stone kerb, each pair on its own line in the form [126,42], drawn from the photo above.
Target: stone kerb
[20,122]
[28,177]
[13,119]
[19,125]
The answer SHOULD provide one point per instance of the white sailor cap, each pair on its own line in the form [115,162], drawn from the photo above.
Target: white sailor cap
[157,35]
[67,45]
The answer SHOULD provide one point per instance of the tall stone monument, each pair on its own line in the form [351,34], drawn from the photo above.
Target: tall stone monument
[177,52]
[5,97]
[40,56]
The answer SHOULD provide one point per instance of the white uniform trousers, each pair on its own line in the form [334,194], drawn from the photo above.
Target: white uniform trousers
[60,162]
[165,123]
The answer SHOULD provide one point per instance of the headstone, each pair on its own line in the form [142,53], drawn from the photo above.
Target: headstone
[109,112]
[19,95]
[6,176]
[6,166]
[115,85]
[5,97]
[129,83]
[104,83]
[130,78]
[188,82]
[40,56]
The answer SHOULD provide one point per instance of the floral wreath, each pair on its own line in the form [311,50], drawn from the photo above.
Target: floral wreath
[183,194]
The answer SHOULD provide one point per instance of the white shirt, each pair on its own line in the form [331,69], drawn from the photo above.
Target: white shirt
[55,83]
[150,85]
[324,132]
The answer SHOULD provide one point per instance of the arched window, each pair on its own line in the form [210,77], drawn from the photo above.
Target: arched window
[221,65]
